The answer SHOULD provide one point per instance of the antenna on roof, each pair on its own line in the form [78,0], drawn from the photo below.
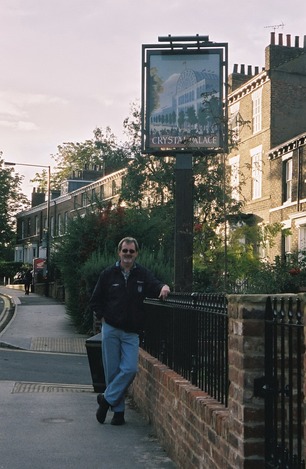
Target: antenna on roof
[276,26]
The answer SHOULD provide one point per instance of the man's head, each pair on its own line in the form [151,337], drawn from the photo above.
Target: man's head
[128,251]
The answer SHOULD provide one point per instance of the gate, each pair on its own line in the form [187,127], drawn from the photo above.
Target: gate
[282,385]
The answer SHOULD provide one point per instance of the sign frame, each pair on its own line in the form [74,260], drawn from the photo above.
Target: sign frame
[184,96]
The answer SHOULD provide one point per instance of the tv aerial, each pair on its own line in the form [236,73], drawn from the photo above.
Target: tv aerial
[276,26]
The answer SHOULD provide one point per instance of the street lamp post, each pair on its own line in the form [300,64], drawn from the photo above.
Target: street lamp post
[9,163]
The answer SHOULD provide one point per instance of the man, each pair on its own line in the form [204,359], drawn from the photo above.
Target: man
[27,281]
[118,299]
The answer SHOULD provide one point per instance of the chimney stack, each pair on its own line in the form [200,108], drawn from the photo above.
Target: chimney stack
[280,39]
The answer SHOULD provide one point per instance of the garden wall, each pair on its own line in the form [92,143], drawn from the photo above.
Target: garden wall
[197,431]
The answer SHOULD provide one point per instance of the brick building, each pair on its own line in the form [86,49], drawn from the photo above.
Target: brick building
[288,194]
[267,115]
[78,195]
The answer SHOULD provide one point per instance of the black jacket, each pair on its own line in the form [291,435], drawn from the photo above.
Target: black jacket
[120,301]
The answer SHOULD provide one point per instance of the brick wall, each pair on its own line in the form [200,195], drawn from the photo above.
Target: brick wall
[197,431]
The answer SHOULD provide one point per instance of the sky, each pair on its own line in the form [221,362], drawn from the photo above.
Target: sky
[69,66]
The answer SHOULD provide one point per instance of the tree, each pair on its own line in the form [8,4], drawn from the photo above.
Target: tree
[12,201]
[102,151]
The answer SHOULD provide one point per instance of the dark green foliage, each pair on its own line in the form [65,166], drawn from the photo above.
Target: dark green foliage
[280,276]
[9,269]
[91,244]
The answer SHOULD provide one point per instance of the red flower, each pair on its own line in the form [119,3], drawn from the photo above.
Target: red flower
[198,227]
[294,271]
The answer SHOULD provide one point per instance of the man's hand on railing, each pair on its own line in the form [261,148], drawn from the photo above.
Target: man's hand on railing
[164,292]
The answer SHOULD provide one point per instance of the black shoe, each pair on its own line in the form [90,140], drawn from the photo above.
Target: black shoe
[118,418]
[103,408]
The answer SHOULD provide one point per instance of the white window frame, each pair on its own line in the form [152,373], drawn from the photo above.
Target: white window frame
[257,110]
[287,162]
[256,155]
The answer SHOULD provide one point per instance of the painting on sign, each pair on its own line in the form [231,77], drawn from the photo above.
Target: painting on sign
[183,100]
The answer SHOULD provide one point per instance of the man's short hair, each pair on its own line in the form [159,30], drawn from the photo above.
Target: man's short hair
[128,239]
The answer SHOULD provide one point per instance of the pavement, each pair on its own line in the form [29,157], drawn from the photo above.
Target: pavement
[53,425]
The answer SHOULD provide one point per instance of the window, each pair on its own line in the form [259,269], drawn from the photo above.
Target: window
[257,104]
[302,238]
[28,227]
[65,222]
[84,199]
[234,123]
[51,227]
[287,177]
[234,166]
[59,225]
[287,244]
[114,188]
[36,225]
[256,155]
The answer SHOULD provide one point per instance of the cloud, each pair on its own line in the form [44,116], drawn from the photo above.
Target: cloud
[17,109]
[18,125]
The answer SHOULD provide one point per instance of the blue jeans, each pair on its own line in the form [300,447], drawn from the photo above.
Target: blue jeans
[120,360]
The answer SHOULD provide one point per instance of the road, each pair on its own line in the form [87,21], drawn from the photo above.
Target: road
[42,367]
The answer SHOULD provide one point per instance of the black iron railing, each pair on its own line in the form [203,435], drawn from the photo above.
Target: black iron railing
[283,388]
[189,333]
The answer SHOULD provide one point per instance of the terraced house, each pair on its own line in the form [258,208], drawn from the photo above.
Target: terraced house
[78,195]
[267,125]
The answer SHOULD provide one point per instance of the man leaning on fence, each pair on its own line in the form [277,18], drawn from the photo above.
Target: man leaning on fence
[118,299]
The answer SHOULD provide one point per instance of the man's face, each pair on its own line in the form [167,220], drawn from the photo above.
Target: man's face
[127,254]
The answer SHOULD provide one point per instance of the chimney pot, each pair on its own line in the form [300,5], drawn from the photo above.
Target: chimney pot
[297,41]
[256,70]
[288,40]
[280,39]
[242,69]
[235,68]
[249,69]
[273,38]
